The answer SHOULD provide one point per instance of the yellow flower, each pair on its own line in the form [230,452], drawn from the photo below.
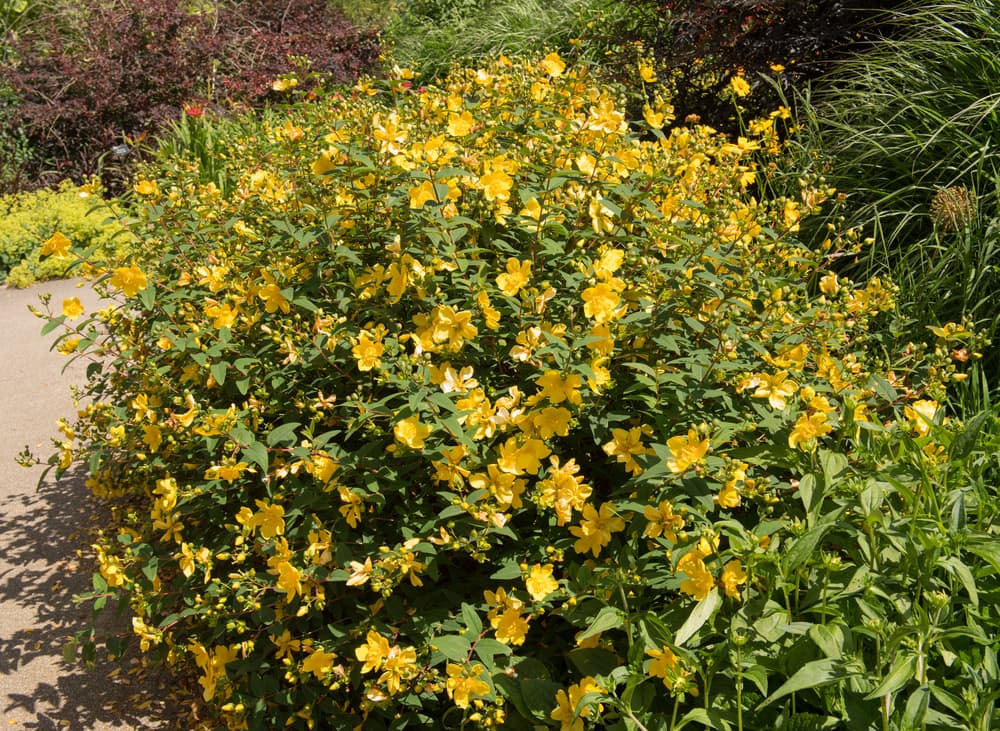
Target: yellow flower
[270,519]
[686,451]
[285,644]
[921,415]
[625,446]
[367,352]
[553,65]
[289,580]
[56,245]
[739,86]
[273,298]
[808,428]
[411,432]
[552,421]
[459,125]
[662,521]
[600,302]
[72,308]
[146,187]
[227,471]
[595,529]
[733,576]
[517,457]
[423,193]
[829,284]
[700,580]
[463,683]
[496,185]
[517,275]
[558,389]
[319,663]
[399,666]
[775,388]
[153,437]
[511,628]
[664,661]
[646,71]
[568,700]
[540,582]
[373,653]
[130,280]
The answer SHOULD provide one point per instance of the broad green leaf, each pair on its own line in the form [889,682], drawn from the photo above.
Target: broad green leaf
[592,660]
[916,707]
[960,570]
[811,675]
[256,453]
[607,618]
[284,434]
[829,638]
[901,673]
[701,613]
[453,647]
[471,619]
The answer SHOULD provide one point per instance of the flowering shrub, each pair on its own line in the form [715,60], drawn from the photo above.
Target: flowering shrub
[469,407]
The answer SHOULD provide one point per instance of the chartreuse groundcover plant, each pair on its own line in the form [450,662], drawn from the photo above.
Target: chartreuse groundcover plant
[474,406]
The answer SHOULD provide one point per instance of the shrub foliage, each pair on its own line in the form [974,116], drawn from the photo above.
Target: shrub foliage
[468,406]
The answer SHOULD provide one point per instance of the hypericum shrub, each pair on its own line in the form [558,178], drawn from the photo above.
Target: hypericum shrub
[468,407]
[28,220]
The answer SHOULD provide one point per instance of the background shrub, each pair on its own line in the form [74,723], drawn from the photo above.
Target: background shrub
[27,220]
[90,77]
[467,406]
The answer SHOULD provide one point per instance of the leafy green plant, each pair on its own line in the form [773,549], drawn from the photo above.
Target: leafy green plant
[467,406]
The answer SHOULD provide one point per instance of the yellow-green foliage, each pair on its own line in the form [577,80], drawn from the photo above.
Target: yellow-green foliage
[27,220]
[470,405]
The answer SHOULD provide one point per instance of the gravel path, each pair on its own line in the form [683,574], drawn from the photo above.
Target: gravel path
[42,532]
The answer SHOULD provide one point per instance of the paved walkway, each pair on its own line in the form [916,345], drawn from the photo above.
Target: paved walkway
[42,534]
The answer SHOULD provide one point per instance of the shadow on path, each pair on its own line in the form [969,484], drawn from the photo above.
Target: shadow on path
[44,536]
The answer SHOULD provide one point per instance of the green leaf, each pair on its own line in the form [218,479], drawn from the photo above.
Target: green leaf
[488,648]
[916,707]
[471,619]
[964,574]
[539,696]
[965,441]
[811,494]
[453,647]
[811,675]
[148,296]
[256,453]
[829,638]
[988,549]
[900,675]
[218,371]
[607,618]
[283,434]
[701,613]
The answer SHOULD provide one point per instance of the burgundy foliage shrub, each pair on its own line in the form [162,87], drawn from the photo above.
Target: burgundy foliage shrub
[107,72]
